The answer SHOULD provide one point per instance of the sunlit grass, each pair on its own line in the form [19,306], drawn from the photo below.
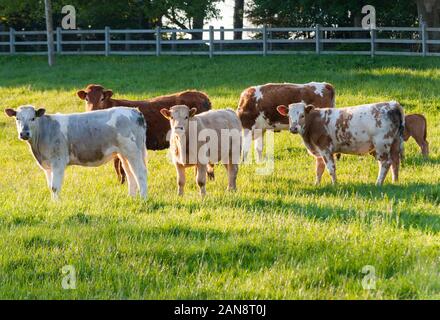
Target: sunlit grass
[279,236]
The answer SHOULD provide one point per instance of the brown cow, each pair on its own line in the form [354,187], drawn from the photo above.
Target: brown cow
[97,97]
[415,126]
[257,108]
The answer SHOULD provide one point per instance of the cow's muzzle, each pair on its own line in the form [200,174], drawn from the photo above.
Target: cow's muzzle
[25,135]
[293,130]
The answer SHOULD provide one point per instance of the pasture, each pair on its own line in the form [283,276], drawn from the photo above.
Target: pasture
[278,237]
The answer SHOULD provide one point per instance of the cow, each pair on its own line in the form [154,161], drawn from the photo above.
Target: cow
[415,126]
[356,130]
[98,98]
[86,139]
[257,108]
[199,139]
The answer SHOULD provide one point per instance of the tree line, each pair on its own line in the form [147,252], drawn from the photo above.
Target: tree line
[189,14]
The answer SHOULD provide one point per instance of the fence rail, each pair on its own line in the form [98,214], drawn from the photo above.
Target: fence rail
[416,41]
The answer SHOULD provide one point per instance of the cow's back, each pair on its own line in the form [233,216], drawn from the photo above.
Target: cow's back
[89,135]
[158,126]
[262,101]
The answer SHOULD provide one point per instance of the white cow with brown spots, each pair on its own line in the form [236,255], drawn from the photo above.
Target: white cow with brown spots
[372,128]
[257,108]
[202,139]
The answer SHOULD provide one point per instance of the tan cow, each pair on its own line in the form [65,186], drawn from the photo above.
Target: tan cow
[356,130]
[415,126]
[257,108]
[199,139]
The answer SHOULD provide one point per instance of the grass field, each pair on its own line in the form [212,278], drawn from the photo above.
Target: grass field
[278,237]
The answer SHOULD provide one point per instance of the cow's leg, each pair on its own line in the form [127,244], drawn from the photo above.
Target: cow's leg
[210,171]
[119,170]
[395,159]
[383,155]
[247,141]
[48,173]
[57,177]
[384,167]
[320,166]
[201,178]
[259,144]
[139,171]
[131,181]
[181,178]
[330,164]
[423,144]
[232,176]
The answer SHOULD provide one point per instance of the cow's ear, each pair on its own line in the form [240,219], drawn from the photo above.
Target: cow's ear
[166,113]
[309,108]
[81,94]
[40,112]
[283,110]
[11,112]
[108,94]
[192,112]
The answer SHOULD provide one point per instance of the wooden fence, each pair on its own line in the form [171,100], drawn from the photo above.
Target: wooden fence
[414,41]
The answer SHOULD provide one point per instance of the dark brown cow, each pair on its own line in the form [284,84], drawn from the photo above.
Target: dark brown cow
[415,126]
[257,108]
[97,97]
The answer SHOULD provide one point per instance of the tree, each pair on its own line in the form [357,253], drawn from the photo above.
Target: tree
[49,31]
[238,18]
[191,14]
[306,13]
[429,12]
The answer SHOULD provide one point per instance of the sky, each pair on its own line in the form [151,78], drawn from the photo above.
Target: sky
[226,18]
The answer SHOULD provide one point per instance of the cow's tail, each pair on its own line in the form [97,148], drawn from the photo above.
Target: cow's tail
[332,91]
[401,130]
[144,128]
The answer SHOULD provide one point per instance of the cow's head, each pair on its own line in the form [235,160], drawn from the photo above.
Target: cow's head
[96,97]
[179,117]
[26,118]
[297,113]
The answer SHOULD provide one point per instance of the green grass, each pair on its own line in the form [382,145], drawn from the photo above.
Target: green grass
[278,237]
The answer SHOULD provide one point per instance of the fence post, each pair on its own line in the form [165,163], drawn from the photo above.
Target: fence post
[222,37]
[425,48]
[107,41]
[318,39]
[158,45]
[264,31]
[173,38]
[59,47]
[11,40]
[373,41]
[211,41]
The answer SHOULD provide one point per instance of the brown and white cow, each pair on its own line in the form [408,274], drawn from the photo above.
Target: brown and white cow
[200,139]
[415,126]
[97,98]
[356,130]
[257,108]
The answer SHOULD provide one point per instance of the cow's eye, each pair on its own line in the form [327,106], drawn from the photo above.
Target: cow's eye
[302,116]
[33,119]
[186,118]
[102,99]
